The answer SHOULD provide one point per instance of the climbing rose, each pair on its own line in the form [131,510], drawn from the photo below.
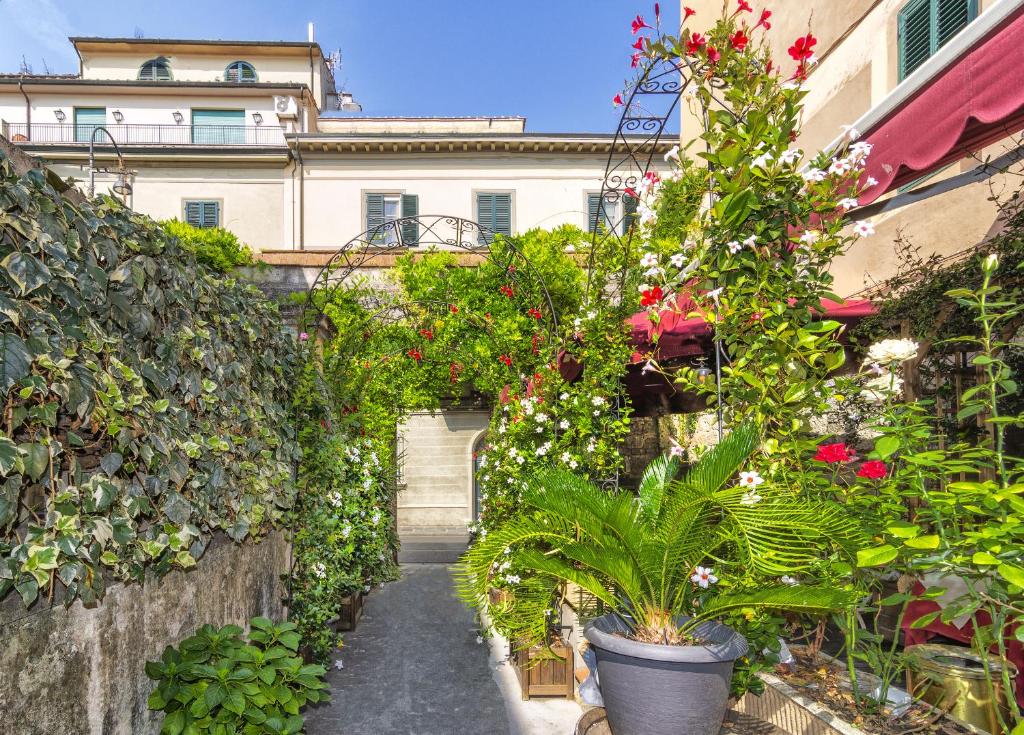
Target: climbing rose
[801,48]
[832,453]
[889,351]
[695,44]
[739,40]
[765,15]
[703,576]
[873,470]
[639,24]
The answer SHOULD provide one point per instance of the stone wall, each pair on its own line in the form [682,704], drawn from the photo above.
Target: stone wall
[79,671]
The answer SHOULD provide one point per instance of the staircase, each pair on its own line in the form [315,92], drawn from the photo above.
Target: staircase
[432,546]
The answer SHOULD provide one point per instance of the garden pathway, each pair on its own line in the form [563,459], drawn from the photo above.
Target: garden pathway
[413,667]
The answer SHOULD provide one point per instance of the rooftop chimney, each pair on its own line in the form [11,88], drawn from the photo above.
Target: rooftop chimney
[311,38]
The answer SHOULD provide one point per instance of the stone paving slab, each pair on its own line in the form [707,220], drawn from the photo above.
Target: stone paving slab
[413,666]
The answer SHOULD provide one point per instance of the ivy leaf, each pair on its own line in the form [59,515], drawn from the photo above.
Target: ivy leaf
[15,360]
[111,463]
[37,459]
[27,271]
[10,457]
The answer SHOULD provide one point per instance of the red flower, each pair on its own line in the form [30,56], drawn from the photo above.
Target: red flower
[765,15]
[617,100]
[695,44]
[638,24]
[429,334]
[635,60]
[534,312]
[415,354]
[744,5]
[506,291]
[873,470]
[505,360]
[687,12]
[801,48]
[631,192]
[739,40]
[453,308]
[657,10]
[651,296]
[713,55]
[453,371]
[639,43]
[832,453]
[511,269]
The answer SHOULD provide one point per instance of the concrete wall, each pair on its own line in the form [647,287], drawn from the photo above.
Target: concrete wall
[79,671]
[437,470]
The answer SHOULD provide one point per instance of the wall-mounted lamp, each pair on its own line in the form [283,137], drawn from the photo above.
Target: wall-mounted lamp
[118,116]
[178,117]
[59,114]
[257,118]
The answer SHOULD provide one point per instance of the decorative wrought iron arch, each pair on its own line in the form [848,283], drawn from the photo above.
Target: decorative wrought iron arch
[421,232]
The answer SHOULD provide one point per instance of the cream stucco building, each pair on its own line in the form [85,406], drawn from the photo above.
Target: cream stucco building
[873,59]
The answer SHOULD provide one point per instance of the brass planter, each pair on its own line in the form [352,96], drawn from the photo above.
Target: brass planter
[952,678]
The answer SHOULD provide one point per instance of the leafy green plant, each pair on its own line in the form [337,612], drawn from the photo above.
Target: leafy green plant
[216,247]
[220,683]
[680,552]
[147,399]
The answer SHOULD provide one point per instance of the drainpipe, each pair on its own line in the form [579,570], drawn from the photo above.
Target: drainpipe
[28,108]
[302,196]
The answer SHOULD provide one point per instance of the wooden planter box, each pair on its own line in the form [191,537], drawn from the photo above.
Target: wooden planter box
[541,675]
[350,610]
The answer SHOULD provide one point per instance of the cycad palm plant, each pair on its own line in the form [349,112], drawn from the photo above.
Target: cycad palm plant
[648,557]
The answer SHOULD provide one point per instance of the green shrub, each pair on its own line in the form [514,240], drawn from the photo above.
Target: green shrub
[217,682]
[214,246]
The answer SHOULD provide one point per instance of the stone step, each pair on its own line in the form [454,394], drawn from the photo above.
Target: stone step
[432,549]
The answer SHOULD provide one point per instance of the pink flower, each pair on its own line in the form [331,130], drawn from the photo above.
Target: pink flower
[832,453]
[303,336]
[638,24]
[873,470]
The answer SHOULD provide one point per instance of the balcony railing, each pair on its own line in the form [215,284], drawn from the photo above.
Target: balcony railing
[156,135]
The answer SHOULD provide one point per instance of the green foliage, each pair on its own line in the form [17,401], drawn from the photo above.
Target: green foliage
[641,558]
[147,400]
[218,683]
[216,247]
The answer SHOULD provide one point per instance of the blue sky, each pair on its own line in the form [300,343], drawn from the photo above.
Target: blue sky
[558,62]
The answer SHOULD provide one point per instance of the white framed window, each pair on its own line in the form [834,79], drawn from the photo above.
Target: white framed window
[204,213]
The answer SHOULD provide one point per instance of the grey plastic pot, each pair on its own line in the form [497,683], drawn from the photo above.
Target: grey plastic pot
[651,689]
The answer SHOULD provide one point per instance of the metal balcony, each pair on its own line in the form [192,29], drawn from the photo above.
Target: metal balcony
[148,135]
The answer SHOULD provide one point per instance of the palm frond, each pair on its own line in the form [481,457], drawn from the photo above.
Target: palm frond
[797,598]
[653,484]
[721,463]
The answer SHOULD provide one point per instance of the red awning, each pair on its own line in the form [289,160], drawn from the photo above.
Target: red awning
[974,102]
[674,335]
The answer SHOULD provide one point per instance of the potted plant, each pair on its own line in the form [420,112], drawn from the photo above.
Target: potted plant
[664,659]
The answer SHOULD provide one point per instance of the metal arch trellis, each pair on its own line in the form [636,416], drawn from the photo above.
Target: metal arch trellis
[419,233]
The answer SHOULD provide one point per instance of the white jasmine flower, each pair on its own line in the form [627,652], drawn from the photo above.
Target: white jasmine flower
[541,418]
[346,531]
[809,237]
[507,550]
[791,581]
[649,260]
[863,228]
[563,397]
[751,479]
[750,498]
[563,424]
[573,464]
[513,578]
[791,156]
[319,570]
[848,203]
[750,241]
[703,576]
[889,351]
[565,457]
[840,166]
[543,449]
[762,160]
[870,181]
[734,247]
[672,154]
[860,149]
[677,260]
[598,400]
[375,519]
[813,175]
[851,132]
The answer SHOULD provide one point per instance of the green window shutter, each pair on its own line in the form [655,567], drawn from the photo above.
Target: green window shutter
[629,206]
[485,215]
[240,71]
[374,216]
[593,208]
[410,208]
[503,214]
[924,26]
[494,213]
[205,214]
[952,17]
[87,119]
[218,127]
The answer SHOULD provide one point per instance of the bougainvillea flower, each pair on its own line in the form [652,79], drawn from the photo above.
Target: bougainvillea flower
[695,44]
[713,55]
[744,5]
[415,354]
[832,453]
[639,24]
[651,296]
[763,21]
[873,470]
[687,12]
[639,43]
[505,360]
[801,48]
[703,576]
[427,333]
[739,40]
[617,100]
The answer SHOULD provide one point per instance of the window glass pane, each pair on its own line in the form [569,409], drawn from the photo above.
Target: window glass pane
[218,127]
[87,119]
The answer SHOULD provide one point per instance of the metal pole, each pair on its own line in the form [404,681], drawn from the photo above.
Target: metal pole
[92,157]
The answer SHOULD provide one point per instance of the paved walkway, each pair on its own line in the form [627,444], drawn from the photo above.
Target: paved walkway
[413,667]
